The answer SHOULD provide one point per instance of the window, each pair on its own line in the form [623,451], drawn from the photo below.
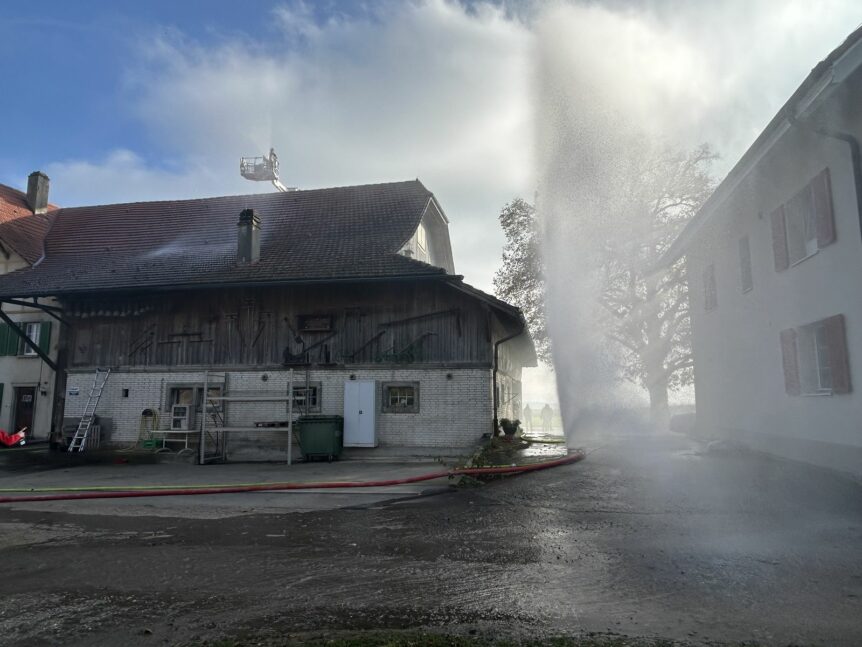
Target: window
[801,229]
[804,224]
[420,237]
[815,358]
[32,330]
[190,395]
[710,295]
[309,398]
[401,397]
[745,275]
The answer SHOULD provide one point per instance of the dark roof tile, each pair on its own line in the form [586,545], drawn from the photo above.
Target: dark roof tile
[339,233]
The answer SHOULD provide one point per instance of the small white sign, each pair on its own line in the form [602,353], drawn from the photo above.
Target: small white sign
[74,391]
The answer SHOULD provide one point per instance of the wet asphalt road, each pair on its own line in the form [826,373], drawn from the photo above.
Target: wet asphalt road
[647,537]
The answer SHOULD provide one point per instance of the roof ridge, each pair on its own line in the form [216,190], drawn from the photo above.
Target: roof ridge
[248,195]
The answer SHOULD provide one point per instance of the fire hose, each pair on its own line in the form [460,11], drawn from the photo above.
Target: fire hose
[113,492]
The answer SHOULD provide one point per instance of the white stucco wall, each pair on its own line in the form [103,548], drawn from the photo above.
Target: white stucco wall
[740,386]
[454,411]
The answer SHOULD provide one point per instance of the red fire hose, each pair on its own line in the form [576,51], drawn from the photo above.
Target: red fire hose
[273,487]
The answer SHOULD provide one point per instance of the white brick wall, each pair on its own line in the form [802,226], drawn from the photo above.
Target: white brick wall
[453,412]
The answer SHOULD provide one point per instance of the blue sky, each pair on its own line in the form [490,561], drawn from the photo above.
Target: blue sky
[69,62]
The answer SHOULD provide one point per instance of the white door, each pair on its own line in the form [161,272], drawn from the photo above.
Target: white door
[359,410]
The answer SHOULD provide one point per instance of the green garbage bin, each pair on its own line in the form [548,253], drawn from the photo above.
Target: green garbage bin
[320,436]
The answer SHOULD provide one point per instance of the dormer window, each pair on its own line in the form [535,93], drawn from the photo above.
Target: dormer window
[420,238]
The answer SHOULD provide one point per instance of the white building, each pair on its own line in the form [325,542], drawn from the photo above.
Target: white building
[775,261]
[26,379]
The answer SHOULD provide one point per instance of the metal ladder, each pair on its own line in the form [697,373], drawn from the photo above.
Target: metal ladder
[79,440]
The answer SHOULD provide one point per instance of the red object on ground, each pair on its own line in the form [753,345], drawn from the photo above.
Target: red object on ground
[274,487]
[11,439]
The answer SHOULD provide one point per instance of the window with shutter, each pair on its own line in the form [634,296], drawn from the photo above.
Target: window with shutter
[815,358]
[32,330]
[804,224]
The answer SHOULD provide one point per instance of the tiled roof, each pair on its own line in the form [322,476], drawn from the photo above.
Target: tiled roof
[322,234]
[20,228]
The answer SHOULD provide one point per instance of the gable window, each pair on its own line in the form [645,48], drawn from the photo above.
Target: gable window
[745,275]
[710,294]
[305,399]
[815,358]
[803,225]
[400,397]
[421,238]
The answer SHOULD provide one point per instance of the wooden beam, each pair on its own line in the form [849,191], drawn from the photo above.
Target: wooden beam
[33,304]
[29,342]
[51,310]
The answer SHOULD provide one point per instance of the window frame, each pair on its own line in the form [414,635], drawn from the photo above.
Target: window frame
[318,397]
[387,407]
[422,237]
[808,225]
[25,350]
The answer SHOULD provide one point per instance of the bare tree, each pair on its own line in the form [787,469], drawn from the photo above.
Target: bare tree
[521,279]
[646,310]
[646,304]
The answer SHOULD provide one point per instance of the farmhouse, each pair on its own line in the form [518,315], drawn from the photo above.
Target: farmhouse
[351,290]
[774,259]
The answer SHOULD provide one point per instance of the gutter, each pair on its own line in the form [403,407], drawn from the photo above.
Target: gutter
[855,156]
[496,394]
[176,287]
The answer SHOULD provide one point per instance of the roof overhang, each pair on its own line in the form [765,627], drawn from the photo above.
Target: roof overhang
[179,287]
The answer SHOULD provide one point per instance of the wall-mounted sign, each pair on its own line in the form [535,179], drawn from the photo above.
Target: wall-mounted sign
[74,391]
[27,398]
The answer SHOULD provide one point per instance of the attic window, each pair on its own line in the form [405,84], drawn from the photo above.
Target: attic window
[420,237]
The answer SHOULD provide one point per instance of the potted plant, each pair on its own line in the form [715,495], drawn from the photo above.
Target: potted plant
[510,427]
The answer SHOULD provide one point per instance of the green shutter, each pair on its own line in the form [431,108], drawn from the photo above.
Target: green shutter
[45,337]
[1,394]
[8,340]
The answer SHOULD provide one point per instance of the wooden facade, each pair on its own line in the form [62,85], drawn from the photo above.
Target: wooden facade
[381,323]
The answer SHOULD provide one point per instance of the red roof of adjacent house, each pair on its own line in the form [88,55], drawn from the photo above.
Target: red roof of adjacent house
[20,228]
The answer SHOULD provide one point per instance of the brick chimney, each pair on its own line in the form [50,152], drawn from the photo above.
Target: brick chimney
[37,192]
[248,237]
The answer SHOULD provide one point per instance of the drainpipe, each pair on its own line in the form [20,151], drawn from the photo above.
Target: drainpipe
[855,155]
[497,345]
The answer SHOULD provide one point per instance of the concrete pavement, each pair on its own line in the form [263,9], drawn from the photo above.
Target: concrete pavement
[120,476]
